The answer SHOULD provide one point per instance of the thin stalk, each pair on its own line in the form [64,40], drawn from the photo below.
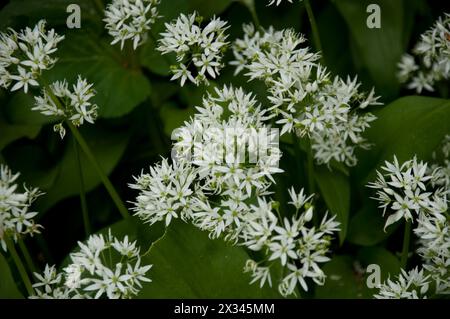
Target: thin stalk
[86,149]
[406,240]
[251,7]
[20,267]
[106,182]
[84,207]
[100,6]
[26,254]
[315,30]
[311,180]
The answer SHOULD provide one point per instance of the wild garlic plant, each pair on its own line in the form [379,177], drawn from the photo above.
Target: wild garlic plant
[303,97]
[25,54]
[216,187]
[130,20]
[199,50]
[72,105]
[410,191]
[430,63]
[91,274]
[16,216]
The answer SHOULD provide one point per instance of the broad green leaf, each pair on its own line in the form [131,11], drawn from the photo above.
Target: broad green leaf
[21,13]
[8,288]
[409,126]
[188,264]
[379,49]
[389,264]
[108,147]
[10,133]
[343,281]
[117,79]
[335,189]
[366,227]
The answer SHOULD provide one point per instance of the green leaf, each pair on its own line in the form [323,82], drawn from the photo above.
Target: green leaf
[174,116]
[20,13]
[8,288]
[335,189]
[10,133]
[119,83]
[409,126]
[379,49]
[342,281]
[389,264]
[188,264]
[108,147]
[366,227]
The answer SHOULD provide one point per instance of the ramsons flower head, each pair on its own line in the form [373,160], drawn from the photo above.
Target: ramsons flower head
[25,54]
[130,20]
[430,62]
[104,266]
[199,49]
[16,217]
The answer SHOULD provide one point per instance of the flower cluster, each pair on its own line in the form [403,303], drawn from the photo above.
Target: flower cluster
[130,20]
[61,102]
[16,219]
[409,285]
[440,166]
[216,179]
[208,167]
[303,97]
[403,189]
[199,51]
[25,54]
[431,61]
[289,242]
[409,191]
[92,274]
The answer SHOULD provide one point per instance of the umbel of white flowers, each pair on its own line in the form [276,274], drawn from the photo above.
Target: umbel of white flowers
[23,57]
[130,20]
[411,191]
[74,105]
[92,274]
[25,54]
[195,47]
[16,219]
[430,62]
[303,97]
[229,197]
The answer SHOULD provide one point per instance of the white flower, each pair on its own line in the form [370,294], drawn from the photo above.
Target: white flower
[16,219]
[409,285]
[75,105]
[92,273]
[403,189]
[192,44]
[431,63]
[130,20]
[304,98]
[25,54]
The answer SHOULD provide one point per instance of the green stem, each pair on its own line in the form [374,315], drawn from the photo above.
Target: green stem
[106,182]
[406,240]
[20,267]
[310,165]
[100,6]
[84,207]
[315,30]
[251,7]
[86,149]
[26,254]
